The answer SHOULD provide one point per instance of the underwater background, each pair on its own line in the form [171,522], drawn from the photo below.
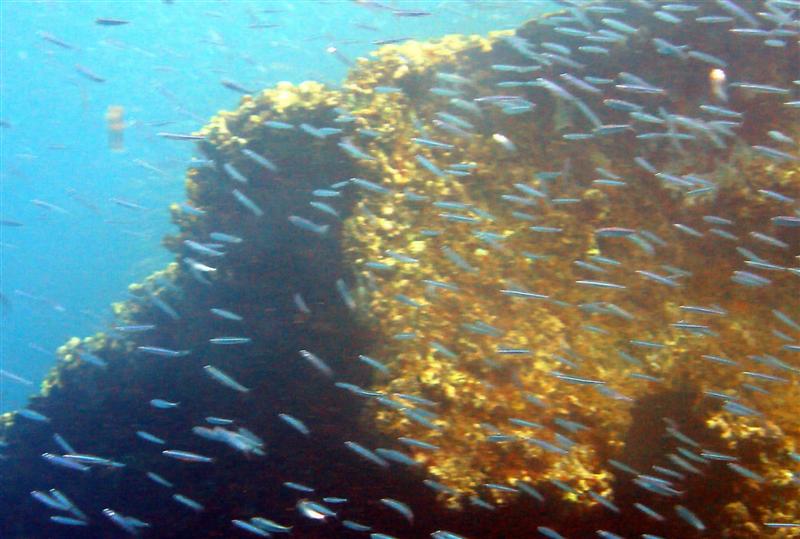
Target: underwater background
[400,269]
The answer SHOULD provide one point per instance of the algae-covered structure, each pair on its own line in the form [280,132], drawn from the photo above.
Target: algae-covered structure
[535,283]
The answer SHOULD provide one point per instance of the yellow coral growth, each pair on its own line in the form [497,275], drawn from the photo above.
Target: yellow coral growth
[428,335]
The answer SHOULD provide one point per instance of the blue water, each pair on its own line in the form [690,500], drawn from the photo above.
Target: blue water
[62,269]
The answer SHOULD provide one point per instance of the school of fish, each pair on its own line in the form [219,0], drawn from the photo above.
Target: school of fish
[571,256]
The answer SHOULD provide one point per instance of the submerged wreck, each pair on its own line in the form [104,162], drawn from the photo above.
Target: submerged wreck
[535,283]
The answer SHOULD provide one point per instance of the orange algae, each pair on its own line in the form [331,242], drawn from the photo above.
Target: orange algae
[478,389]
